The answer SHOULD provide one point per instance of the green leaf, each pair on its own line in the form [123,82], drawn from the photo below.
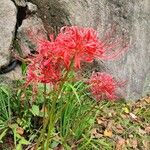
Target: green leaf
[35,110]
[19,147]
[2,135]
[23,141]
[23,68]
[54,144]
[5,90]
[75,92]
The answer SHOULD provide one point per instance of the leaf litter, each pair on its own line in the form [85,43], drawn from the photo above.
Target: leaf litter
[125,124]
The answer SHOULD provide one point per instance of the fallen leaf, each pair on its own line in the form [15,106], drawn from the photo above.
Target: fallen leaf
[120,144]
[20,130]
[118,129]
[147,100]
[110,125]
[147,129]
[102,121]
[134,143]
[128,142]
[59,147]
[133,116]
[126,110]
[111,113]
[44,109]
[108,133]
[31,147]
[141,131]
[95,134]
[146,144]
[131,135]
[99,121]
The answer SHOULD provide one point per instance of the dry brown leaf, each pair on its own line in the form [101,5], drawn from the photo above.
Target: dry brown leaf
[141,131]
[20,130]
[111,113]
[133,116]
[108,133]
[110,125]
[134,143]
[147,129]
[103,122]
[120,144]
[147,100]
[124,116]
[59,147]
[146,144]
[43,109]
[99,121]
[128,142]
[131,135]
[118,129]
[31,147]
[98,135]
[93,131]
[95,134]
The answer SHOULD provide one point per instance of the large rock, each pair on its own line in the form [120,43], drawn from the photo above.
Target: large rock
[53,14]
[8,13]
[132,19]
[30,32]
[21,3]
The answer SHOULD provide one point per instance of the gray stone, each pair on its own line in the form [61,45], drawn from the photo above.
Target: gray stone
[53,14]
[31,7]
[30,33]
[14,75]
[8,14]
[132,20]
[9,79]
[21,3]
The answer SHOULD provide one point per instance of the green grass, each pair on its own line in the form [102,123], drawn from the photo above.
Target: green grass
[78,115]
[5,110]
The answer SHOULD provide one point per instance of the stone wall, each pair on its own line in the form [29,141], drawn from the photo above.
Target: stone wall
[132,21]
[127,20]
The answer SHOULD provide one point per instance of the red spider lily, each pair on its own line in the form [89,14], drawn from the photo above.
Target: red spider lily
[45,66]
[78,44]
[73,44]
[103,86]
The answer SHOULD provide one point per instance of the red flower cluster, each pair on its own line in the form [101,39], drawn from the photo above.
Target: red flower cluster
[103,86]
[79,45]
[45,67]
[73,45]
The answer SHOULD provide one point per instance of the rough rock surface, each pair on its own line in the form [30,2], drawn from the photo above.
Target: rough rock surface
[30,32]
[8,14]
[18,28]
[132,19]
[21,3]
[14,75]
[53,14]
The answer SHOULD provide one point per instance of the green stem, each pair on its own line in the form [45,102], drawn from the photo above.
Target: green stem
[52,111]
[45,121]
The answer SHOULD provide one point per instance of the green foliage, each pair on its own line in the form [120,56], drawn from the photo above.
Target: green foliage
[76,116]
[5,108]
